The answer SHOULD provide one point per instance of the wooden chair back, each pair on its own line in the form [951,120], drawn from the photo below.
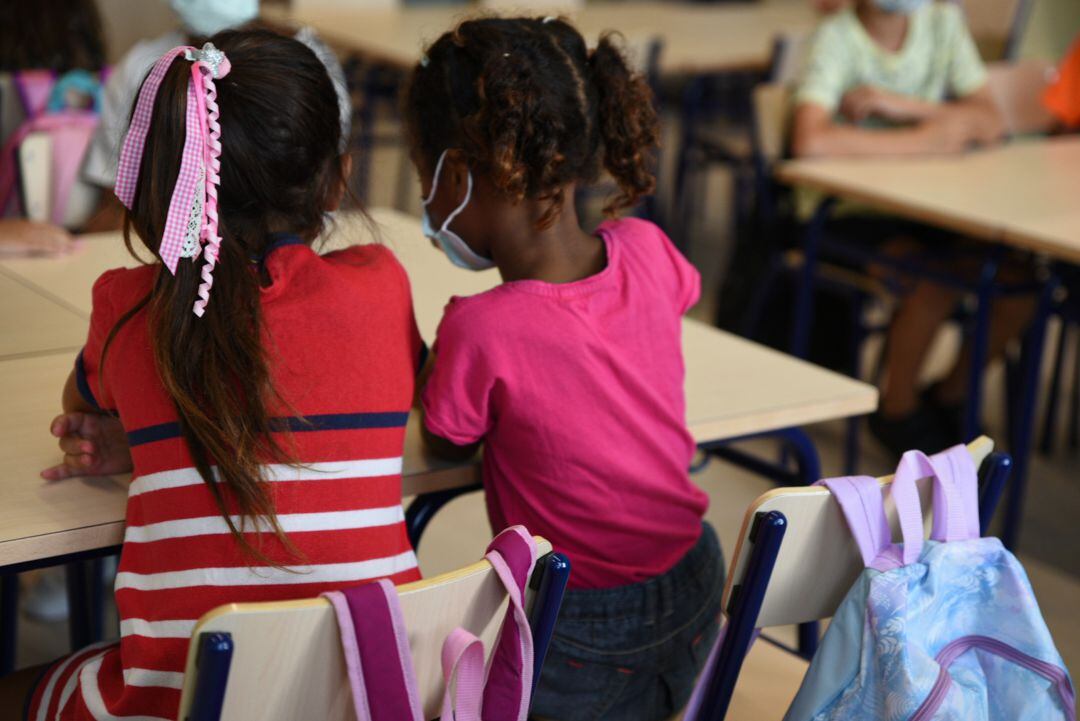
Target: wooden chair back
[818,561]
[1018,89]
[287,661]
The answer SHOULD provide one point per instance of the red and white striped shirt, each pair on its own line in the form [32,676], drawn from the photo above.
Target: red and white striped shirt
[344,351]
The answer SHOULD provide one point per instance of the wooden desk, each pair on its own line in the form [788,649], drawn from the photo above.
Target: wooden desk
[28,326]
[1023,193]
[45,520]
[697,38]
[734,388]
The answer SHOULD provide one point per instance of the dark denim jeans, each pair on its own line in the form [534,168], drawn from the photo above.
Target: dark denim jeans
[632,653]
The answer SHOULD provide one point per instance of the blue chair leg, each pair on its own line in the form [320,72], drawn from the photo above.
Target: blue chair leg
[9,621]
[743,608]
[549,582]
[1028,396]
[212,663]
[809,470]
[993,476]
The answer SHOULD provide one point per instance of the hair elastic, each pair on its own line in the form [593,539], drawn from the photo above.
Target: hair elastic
[192,222]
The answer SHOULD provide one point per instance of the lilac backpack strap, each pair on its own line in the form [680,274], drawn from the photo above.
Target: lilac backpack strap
[376,652]
[860,500]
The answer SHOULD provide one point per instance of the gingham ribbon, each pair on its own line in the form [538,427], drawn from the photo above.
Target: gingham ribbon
[193,213]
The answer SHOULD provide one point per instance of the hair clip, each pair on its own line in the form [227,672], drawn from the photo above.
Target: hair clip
[210,57]
[425,60]
[549,19]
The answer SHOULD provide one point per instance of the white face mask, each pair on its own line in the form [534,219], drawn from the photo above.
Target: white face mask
[204,18]
[904,7]
[456,249]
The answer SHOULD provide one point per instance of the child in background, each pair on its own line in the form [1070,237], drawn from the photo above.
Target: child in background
[57,35]
[1062,98]
[570,372]
[199,19]
[903,77]
[234,381]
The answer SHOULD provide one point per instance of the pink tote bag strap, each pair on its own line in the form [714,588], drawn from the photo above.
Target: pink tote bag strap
[508,690]
[463,671]
[34,88]
[376,648]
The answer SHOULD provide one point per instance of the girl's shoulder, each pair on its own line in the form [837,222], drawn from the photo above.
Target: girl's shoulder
[368,259]
[637,237]
[123,286]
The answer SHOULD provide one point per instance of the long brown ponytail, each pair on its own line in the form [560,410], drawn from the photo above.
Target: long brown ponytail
[279,167]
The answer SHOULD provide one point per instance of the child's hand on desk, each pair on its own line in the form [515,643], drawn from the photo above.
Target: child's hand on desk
[94,444]
[949,133]
[867,101]
[19,238]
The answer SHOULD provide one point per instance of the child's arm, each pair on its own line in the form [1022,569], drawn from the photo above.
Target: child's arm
[946,128]
[94,443]
[437,444]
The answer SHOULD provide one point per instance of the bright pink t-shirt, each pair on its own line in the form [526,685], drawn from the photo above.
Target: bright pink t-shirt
[576,390]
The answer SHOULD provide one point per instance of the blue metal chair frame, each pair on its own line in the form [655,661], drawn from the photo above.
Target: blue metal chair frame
[986,289]
[215,650]
[767,537]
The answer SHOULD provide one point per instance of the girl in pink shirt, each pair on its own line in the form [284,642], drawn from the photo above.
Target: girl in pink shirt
[570,372]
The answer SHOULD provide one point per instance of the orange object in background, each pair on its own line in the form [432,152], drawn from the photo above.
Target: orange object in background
[1062,98]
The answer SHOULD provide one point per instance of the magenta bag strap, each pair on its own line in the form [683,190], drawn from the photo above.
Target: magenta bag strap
[33,88]
[463,671]
[860,500]
[377,655]
[508,690]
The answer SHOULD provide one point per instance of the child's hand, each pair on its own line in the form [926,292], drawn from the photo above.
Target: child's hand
[20,238]
[948,133]
[868,101]
[94,444]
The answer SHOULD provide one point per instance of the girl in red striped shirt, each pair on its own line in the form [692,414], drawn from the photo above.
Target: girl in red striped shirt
[265,429]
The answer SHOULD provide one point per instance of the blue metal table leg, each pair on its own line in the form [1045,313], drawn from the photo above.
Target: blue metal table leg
[1046,445]
[78,618]
[1027,393]
[804,295]
[979,347]
[86,608]
[9,621]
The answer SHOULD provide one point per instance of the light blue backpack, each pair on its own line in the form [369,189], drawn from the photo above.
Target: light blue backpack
[943,629]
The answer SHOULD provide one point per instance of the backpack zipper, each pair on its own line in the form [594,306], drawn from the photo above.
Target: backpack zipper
[953,650]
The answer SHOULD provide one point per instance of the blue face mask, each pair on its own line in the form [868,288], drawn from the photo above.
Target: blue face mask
[456,249]
[207,17]
[904,7]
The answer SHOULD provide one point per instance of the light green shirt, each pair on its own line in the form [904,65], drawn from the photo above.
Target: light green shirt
[938,60]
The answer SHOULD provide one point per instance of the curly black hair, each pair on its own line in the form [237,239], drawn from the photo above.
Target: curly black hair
[533,108]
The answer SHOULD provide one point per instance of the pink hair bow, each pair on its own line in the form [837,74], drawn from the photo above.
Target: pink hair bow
[193,217]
